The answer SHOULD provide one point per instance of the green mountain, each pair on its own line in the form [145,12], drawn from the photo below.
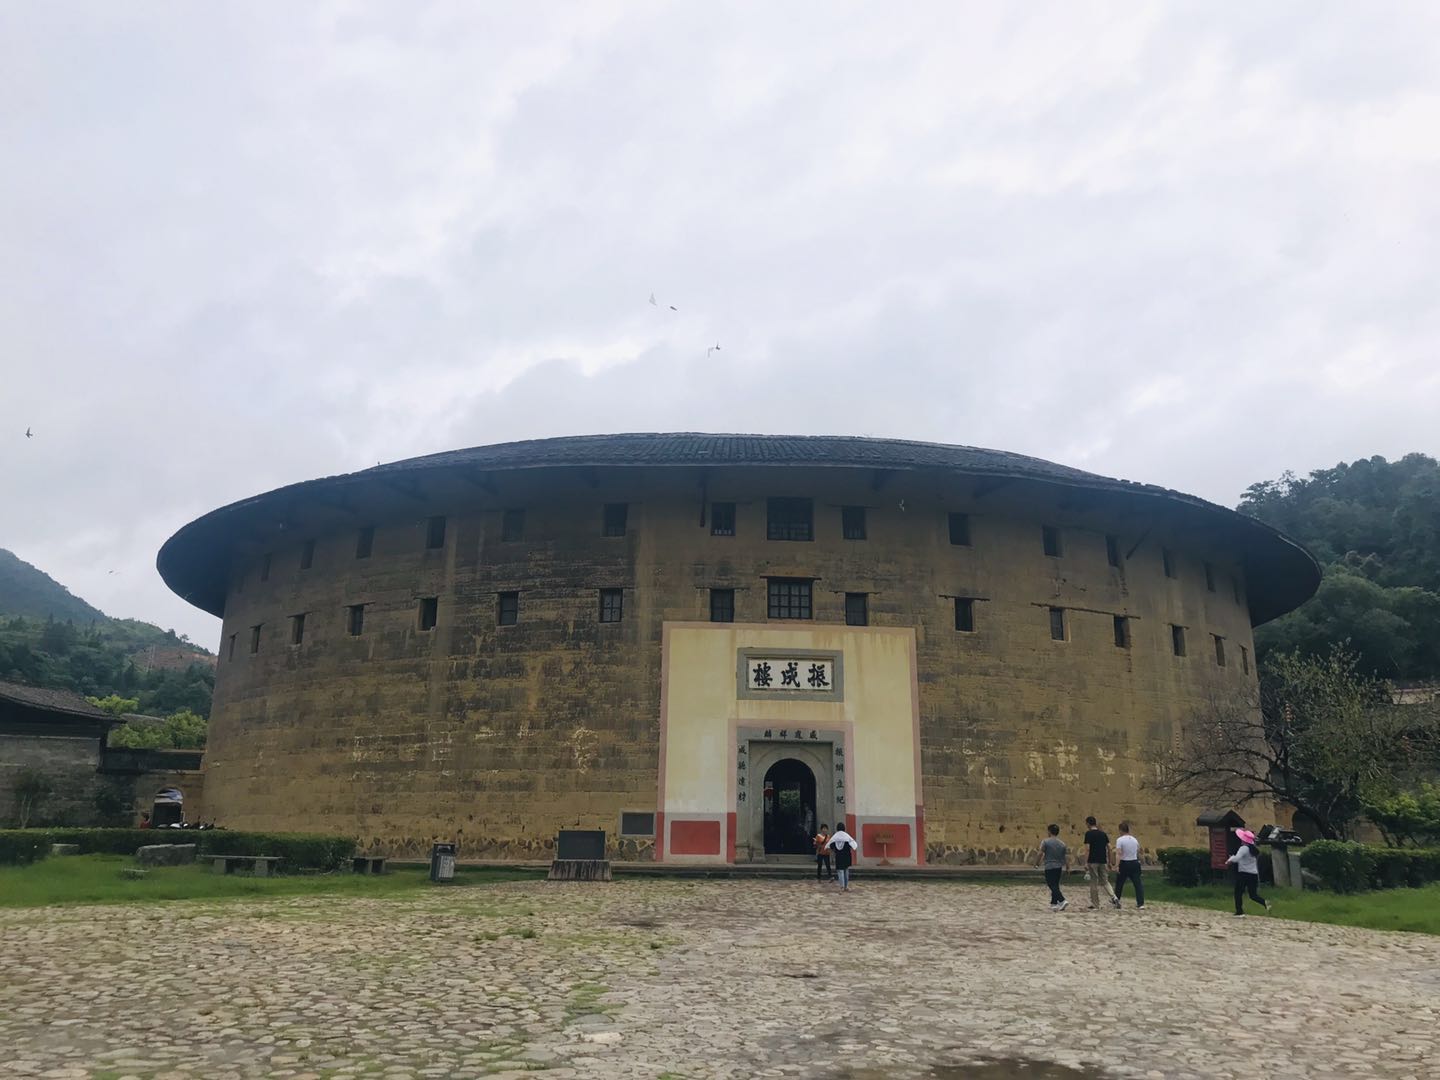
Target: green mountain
[28,590]
[1375,527]
[51,638]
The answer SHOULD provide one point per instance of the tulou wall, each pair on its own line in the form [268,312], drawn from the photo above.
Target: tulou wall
[499,735]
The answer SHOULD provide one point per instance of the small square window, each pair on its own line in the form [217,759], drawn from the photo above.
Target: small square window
[1050,538]
[265,568]
[512,524]
[790,519]
[1219,650]
[355,620]
[365,542]
[297,629]
[722,605]
[435,533]
[1244,659]
[965,614]
[255,639]
[1177,640]
[1167,560]
[789,598]
[1122,632]
[612,605]
[307,555]
[507,608]
[722,519]
[637,823]
[1112,550]
[857,609]
[960,530]
[1057,623]
[852,522]
[429,612]
[231,655]
[1209,577]
[615,515]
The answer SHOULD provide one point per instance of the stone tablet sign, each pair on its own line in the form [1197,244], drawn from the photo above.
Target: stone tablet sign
[779,674]
[784,675]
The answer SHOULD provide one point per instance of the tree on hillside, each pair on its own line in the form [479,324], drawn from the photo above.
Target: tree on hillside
[183,730]
[116,705]
[97,662]
[1374,525]
[1318,735]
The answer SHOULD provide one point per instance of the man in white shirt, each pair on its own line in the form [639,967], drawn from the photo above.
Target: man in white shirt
[843,844]
[1127,851]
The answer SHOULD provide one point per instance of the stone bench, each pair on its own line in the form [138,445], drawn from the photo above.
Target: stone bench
[368,864]
[259,865]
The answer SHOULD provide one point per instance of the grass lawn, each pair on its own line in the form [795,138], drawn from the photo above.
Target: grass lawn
[1416,910]
[95,879]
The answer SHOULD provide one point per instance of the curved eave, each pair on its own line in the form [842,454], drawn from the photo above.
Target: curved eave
[194,563]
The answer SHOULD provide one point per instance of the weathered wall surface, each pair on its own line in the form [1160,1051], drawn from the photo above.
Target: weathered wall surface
[68,764]
[90,786]
[501,735]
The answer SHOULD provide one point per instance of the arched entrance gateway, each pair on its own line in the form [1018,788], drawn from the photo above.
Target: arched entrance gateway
[789,808]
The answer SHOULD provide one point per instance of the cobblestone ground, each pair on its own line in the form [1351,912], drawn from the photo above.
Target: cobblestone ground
[707,979]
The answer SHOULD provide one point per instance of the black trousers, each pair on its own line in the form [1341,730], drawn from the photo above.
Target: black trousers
[1130,871]
[822,867]
[1244,883]
[1052,878]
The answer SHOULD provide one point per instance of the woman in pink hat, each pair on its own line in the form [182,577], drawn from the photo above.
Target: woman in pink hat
[1247,872]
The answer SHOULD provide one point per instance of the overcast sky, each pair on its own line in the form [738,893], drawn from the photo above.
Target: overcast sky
[248,244]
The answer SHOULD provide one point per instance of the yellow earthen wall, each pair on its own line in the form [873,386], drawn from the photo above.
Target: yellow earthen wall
[499,736]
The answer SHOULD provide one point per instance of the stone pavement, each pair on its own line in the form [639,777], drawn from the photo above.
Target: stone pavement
[707,979]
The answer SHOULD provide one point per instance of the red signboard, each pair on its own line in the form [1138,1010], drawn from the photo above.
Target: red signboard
[1219,849]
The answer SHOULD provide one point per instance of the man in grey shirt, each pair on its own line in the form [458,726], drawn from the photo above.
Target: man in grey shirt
[1052,858]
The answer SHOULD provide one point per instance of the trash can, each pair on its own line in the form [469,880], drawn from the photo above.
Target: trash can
[442,862]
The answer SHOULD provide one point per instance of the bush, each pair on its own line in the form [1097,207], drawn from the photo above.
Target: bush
[300,851]
[1185,866]
[109,841]
[1398,868]
[1344,867]
[21,846]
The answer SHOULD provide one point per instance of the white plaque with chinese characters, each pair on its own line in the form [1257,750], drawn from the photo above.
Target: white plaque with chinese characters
[790,675]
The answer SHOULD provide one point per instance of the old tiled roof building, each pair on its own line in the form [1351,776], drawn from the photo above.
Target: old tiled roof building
[708,644]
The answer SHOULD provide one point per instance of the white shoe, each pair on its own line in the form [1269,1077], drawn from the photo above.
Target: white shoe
[1064,904]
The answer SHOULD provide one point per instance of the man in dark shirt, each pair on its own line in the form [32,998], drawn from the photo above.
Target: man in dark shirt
[1097,863]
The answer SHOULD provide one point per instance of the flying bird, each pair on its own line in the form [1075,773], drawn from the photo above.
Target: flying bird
[29,434]
[712,349]
[674,308]
[902,506]
[652,300]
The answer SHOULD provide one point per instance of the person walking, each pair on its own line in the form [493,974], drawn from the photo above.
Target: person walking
[1097,863]
[1052,859]
[844,846]
[1127,852]
[823,869]
[1247,872]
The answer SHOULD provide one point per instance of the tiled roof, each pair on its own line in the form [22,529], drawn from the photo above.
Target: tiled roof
[59,701]
[695,448]
[194,561]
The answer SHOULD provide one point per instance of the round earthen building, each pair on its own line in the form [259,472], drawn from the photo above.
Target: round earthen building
[706,645]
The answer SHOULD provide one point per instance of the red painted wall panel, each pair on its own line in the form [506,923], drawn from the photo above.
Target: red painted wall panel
[898,848]
[694,837]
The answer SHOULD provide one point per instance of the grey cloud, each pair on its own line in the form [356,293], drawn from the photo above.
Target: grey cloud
[246,246]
